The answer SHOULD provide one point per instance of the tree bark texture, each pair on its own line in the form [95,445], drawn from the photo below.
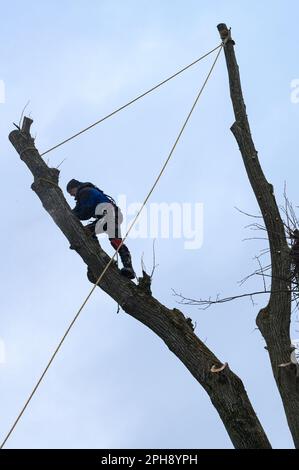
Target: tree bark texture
[274,320]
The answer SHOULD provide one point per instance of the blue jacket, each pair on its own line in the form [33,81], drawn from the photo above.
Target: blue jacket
[87,198]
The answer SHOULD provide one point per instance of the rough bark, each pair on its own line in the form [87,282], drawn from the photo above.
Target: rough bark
[224,388]
[274,320]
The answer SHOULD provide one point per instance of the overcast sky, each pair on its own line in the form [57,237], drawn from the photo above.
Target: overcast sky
[114,383]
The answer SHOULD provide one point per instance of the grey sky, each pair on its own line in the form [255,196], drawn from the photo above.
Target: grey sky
[114,384]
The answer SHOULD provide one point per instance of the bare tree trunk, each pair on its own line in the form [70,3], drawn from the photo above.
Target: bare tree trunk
[273,320]
[224,388]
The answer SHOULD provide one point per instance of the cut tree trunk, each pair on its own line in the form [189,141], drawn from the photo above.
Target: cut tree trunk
[224,388]
[274,320]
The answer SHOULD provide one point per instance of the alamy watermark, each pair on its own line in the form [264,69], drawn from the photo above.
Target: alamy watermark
[295,91]
[174,220]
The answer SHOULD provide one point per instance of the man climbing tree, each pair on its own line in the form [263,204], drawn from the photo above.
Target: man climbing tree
[224,387]
[92,202]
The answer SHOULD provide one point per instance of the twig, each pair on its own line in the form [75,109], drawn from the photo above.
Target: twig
[22,114]
[154,260]
[248,215]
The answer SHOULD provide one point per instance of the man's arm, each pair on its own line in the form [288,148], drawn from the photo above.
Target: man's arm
[84,208]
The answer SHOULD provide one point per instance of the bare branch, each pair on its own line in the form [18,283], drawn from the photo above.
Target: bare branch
[217,300]
[249,215]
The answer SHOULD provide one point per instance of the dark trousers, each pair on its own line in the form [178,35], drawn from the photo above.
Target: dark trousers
[109,222]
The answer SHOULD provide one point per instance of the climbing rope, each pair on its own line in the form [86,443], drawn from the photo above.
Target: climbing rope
[130,102]
[115,253]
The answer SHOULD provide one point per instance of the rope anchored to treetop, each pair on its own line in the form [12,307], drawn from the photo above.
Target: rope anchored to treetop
[142,95]
[97,282]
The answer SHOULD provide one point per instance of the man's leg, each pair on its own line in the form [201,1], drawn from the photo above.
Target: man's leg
[114,234]
[125,257]
[90,230]
[110,224]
